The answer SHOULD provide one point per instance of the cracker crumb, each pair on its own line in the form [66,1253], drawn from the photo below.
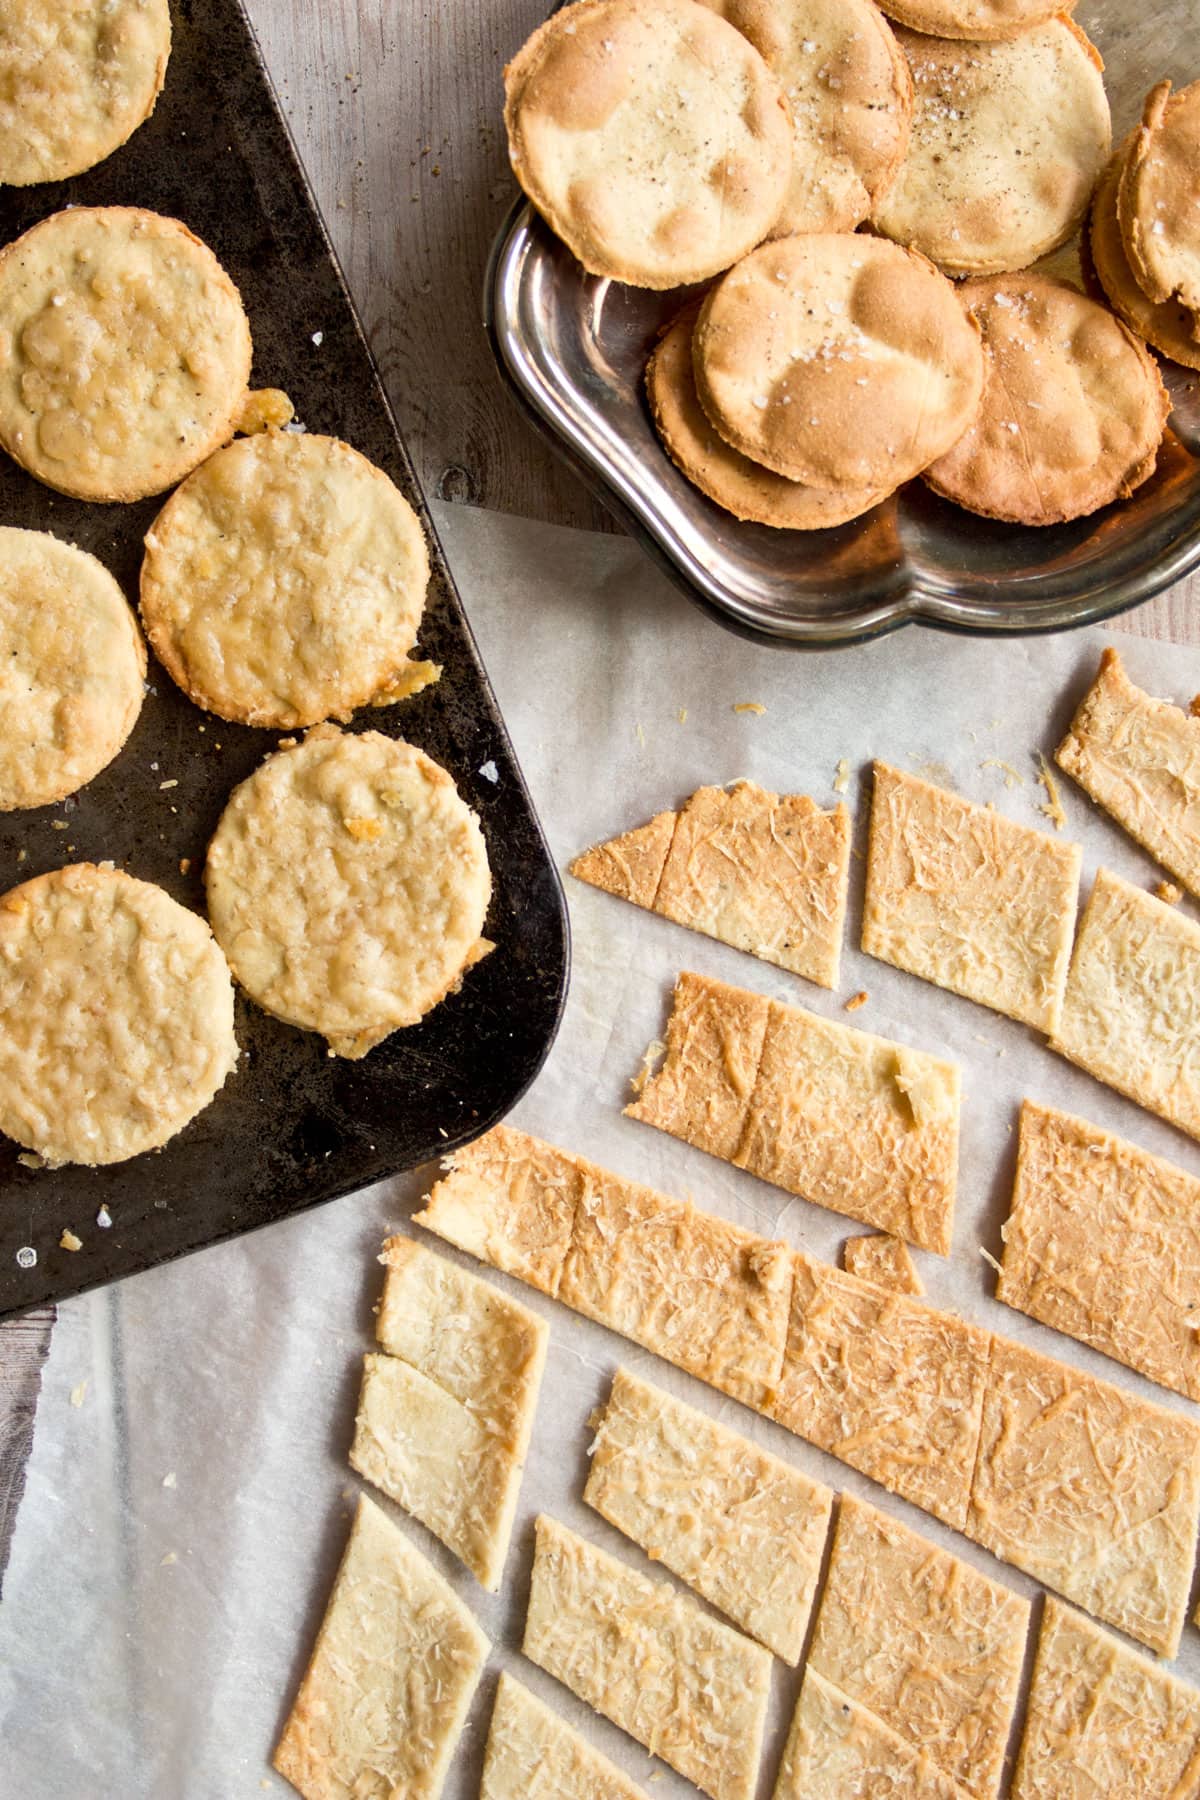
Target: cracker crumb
[58,824]
[1167,892]
[364,831]
[185,863]
[856,1000]
[841,779]
[168,1479]
[1052,806]
[68,1240]
[1012,777]
[653,1051]
[29,1159]
[750,706]
[174,782]
[640,735]
[78,1393]
[104,1219]
[990,1259]
[683,715]
[168,1559]
[490,772]
[263,410]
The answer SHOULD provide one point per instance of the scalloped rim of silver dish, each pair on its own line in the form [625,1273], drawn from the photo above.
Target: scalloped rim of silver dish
[572,349]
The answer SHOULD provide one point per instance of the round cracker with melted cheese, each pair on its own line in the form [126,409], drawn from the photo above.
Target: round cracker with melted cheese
[839,360]
[652,138]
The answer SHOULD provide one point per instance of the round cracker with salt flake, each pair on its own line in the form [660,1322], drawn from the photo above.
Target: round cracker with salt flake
[653,139]
[1159,199]
[284,581]
[727,478]
[1073,412]
[75,81]
[1167,326]
[1008,141]
[839,360]
[850,92]
[72,668]
[983,20]
[348,884]
[116,1015]
[124,352]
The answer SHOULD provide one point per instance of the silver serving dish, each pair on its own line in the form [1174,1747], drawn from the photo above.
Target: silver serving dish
[573,349]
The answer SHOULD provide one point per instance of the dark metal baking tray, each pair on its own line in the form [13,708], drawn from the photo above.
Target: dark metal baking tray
[293,1126]
[573,350]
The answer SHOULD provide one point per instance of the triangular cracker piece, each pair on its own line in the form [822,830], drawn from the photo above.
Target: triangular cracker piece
[532,1754]
[766,873]
[1103,1720]
[395,1665]
[837,1750]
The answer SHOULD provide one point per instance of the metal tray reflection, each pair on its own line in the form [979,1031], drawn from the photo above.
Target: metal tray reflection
[573,349]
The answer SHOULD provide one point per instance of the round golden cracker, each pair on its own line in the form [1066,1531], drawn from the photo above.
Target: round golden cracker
[116,1015]
[1159,199]
[850,92]
[983,20]
[284,581]
[348,884]
[1008,141]
[1073,409]
[731,480]
[838,360]
[124,352]
[72,668]
[77,77]
[653,139]
[1168,327]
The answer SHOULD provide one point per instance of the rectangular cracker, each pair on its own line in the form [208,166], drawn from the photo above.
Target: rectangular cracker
[838,1750]
[1103,1721]
[706,1295]
[1139,758]
[1089,1490]
[741,1527]
[395,1664]
[969,900]
[714,1042]
[510,1200]
[885,1260]
[924,1641]
[886,1384]
[1131,1016]
[532,1754]
[1103,1243]
[689,1688]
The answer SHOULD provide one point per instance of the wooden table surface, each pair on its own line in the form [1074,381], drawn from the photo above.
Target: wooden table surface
[396,111]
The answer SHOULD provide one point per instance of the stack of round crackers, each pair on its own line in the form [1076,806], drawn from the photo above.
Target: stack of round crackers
[868,197]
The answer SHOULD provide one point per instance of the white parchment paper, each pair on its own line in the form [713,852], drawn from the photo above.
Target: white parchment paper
[188,1491]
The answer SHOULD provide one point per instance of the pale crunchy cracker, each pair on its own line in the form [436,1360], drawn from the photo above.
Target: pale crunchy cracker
[1103,1243]
[1089,1490]
[968,899]
[1103,1721]
[887,1261]
[1131,1016]
[838,1750]
[740,1526]
[386,1692]
[630,866]
[924,1641]
[689,1688]
[510,1200]
[532,1754]
[766,873]
[1139,758]
[853,1122]
[887,1384]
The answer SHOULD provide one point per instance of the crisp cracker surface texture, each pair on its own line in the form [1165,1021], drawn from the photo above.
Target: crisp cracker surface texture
[1073,412]
[853,1122]
[967,899]
[1103,1243]
[510,1200]
[116,1015]
[984,20]
[72,668]
[1168,326]
[728,478]
[1103,1721]
[686,1686]
[1139,758]
[532,1754]
[396,1661]
[837,359]
[885,1260]
[77,77]
[1132,1006]
[924,1641]
[1159,202]
[283,583]
[766,873]
[838,1750]
[124,352]
[1093,1492]
[741,1527]
[347,884]
[851,97]
[1008,140]
[655,142]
